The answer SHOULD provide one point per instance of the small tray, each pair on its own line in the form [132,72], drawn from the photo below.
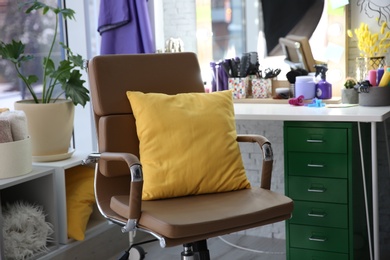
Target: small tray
[54,157]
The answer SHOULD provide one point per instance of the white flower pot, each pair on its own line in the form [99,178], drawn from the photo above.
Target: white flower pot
[50,127]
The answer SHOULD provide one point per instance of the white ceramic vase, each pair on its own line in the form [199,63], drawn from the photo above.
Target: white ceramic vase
[50,128]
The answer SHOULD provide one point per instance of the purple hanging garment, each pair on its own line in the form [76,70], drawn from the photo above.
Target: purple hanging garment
[125,27]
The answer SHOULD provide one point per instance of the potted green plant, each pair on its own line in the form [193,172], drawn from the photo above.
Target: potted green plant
[66,75]
[348,94]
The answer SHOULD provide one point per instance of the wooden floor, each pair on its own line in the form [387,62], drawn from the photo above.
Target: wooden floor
[229,247]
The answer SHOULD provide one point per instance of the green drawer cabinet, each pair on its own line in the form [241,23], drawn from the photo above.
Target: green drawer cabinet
[324,178]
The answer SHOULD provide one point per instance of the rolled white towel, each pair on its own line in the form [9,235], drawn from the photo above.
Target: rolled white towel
[18,122]
[5,130]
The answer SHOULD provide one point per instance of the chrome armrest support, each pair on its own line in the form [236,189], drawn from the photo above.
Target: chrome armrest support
[265,145]
[92,158]
[136,183]
[130,226]
[268,154]
[136,173]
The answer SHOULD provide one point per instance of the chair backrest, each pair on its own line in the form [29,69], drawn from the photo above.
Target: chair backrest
[112,75]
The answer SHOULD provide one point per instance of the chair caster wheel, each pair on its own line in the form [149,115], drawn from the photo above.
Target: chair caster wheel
[137,253]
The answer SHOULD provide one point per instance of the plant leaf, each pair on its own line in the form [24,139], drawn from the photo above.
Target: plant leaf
[67,13]
[63,71]
[14,52]
[33,5]
[77,60]
[32,79]
[50,67]
[74,89]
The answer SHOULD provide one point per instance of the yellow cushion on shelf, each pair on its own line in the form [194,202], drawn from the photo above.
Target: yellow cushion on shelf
[187,144]
[80,198]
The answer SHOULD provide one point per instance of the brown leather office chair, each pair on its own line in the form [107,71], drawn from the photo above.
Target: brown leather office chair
[119,176]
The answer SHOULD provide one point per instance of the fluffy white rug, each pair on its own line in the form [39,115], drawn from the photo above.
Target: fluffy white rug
[25,230]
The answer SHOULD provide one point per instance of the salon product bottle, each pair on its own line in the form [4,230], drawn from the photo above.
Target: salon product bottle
[379,75]
[323,88]
[385,81]
[372,77]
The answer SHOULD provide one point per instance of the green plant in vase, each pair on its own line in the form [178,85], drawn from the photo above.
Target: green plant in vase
[49,117]
[66,74]
[350,83]
[349,94]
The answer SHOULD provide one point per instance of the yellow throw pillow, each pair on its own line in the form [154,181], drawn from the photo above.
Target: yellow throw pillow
[187,144]
[80,198]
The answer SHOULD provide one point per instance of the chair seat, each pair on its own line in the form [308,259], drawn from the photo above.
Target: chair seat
[242,208]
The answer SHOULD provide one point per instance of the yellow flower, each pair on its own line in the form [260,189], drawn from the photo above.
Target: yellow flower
[371,44]
[384,25]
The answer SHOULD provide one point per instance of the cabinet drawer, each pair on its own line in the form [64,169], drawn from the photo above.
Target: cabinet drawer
[318,189]
[304,254]
[319,140]
[319,238]
[318,164]
[320,214]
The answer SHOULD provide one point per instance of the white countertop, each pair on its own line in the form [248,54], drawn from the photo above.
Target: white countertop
[286,112]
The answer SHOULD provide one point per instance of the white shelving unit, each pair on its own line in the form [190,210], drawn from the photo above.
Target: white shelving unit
[101,238]
[36,187]
[59,177]
[96,220]
[45,186]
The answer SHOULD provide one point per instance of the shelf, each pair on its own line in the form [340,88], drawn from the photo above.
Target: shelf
[75,160]
[59,168]
[37,172]
[36,188]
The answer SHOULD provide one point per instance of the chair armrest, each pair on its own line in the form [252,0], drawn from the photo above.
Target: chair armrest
[136,183]
[268,159]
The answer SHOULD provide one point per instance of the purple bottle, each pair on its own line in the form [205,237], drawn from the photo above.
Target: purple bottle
[323,88]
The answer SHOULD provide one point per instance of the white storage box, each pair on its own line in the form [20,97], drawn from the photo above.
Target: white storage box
[15,158]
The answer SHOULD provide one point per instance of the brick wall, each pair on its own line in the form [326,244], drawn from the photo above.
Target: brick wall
[252,157]
[180,22]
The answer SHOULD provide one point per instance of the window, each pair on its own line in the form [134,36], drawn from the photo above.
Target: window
[225,29]
[35,31]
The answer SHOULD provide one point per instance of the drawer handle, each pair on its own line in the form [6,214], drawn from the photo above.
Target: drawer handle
[317,239]
[316,215]
[319,190]
[315,165]
[314,141]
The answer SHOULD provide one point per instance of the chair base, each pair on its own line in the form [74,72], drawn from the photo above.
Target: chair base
[192,251]
[188,253]
[200,249]
[195,251]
